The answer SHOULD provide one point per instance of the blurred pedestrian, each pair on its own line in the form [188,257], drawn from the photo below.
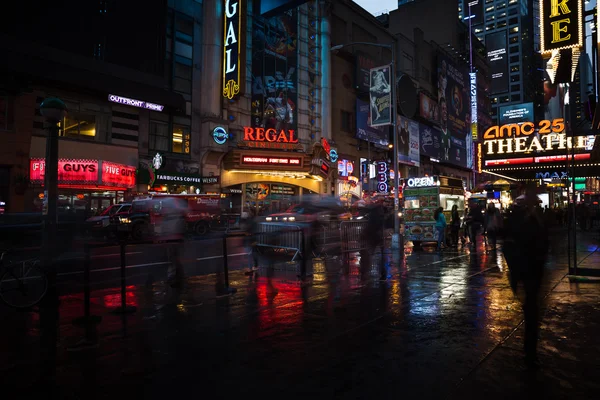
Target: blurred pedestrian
[493,224]
[474,222]
[525,249]
[454,226]
[440,226]
[372,237]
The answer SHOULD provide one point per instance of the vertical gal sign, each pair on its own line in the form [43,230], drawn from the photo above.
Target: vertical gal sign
[380,91]
[232,46]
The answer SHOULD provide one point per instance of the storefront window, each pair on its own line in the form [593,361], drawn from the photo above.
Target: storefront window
[79,126]
[6,113]
[181,139]
[159,136]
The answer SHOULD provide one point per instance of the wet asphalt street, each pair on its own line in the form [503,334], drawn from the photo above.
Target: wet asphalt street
[441,326]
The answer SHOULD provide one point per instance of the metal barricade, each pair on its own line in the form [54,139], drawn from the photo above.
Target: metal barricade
[327,240]
[352,236]
[280,236]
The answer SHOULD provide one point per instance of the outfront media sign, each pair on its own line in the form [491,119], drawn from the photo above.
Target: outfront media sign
[113,98]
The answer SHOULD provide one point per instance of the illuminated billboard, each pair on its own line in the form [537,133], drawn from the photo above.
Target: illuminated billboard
[498,60]
[516,113]
[561,24]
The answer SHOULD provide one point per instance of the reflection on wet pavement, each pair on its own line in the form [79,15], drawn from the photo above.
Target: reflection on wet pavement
[442,324]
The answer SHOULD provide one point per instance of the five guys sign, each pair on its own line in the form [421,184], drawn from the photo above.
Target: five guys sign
[232,64]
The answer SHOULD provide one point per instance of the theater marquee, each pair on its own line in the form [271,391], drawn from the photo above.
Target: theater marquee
[561,24]
[232,49]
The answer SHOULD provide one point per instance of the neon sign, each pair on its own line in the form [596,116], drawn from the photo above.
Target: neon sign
[232,49]
[382,168]
[114,174]
[561,24]
[220,135]
[135,103]
[421,182]
[473,81]
[69,171]
[261,138]
[262,160]
[525,129]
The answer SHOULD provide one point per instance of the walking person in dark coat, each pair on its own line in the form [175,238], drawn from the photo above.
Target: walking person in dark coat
[525,249]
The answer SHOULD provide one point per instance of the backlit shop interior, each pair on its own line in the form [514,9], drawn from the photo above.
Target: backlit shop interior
[85,187]
[270,181]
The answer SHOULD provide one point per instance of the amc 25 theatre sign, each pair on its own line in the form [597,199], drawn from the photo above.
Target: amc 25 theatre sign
[232,49]
[561,24]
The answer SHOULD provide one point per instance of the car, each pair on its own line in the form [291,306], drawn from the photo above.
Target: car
[104,225]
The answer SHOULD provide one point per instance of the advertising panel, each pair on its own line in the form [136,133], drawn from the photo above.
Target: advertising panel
[429,140]
[272,7]
[458,153]
[274,72]
[365,131]
[408,141]
[364,64]
[474,10]
[561,24]
[428,108]
[473,95]
[516,113]
[380,94]
[498,60]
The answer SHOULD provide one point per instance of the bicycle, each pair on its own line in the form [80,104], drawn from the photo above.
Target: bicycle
[23,284]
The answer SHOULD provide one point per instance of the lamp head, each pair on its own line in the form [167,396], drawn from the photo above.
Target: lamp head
[53,109]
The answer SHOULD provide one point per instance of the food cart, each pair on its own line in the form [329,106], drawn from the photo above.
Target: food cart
[422,196]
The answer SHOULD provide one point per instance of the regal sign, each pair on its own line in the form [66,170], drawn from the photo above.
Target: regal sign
[261,138]
[561,24]
[232,46]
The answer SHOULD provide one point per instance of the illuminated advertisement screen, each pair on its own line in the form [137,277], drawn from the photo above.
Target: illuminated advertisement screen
[475,12]
[272,161]
[497,57]
[268,8]
[516,113]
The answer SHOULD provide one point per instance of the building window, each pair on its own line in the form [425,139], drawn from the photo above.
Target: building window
[78,126]
[515,68]
[494,100]
[515,78]
[158,136]
[513,21]
[515,88]
[6,113]
[346,123]
[514,59]
[181,139]
[490,26]
[425,74]
[179,56]
[515,97]
[514,29]
[514,39]
[501,24]
[504,100]
[513,49]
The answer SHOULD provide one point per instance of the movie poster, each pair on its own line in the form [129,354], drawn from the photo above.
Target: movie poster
[453,102]
[379,135]
[408,141]
[275,72]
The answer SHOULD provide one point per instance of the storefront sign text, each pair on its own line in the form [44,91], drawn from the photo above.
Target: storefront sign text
[382,168]
[210,180]
[220,135]
[261,138]
[284,161]
[534,144]
[135,103]
[551,175]
[421,182]
[232,48]
[561,24]
[69,171]
[473,81]
[114,174]
[167,178]
[545,127]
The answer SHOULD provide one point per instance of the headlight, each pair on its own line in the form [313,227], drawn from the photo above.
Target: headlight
[400,214]
[291,219]
[124,220]
[268,219]
[285,218]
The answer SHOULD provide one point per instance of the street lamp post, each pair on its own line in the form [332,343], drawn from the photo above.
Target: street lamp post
[396,236]
[54,110]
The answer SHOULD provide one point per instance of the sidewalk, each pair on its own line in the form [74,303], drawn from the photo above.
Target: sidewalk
[442,326]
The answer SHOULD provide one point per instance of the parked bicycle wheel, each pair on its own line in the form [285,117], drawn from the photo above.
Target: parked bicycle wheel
[23,284]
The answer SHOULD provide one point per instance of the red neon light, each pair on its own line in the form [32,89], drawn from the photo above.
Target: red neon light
[69,171]
[545,159]
[118,174]
[261,160]
[512,161]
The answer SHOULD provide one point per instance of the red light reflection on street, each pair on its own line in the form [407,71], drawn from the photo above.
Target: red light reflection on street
[114,300]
